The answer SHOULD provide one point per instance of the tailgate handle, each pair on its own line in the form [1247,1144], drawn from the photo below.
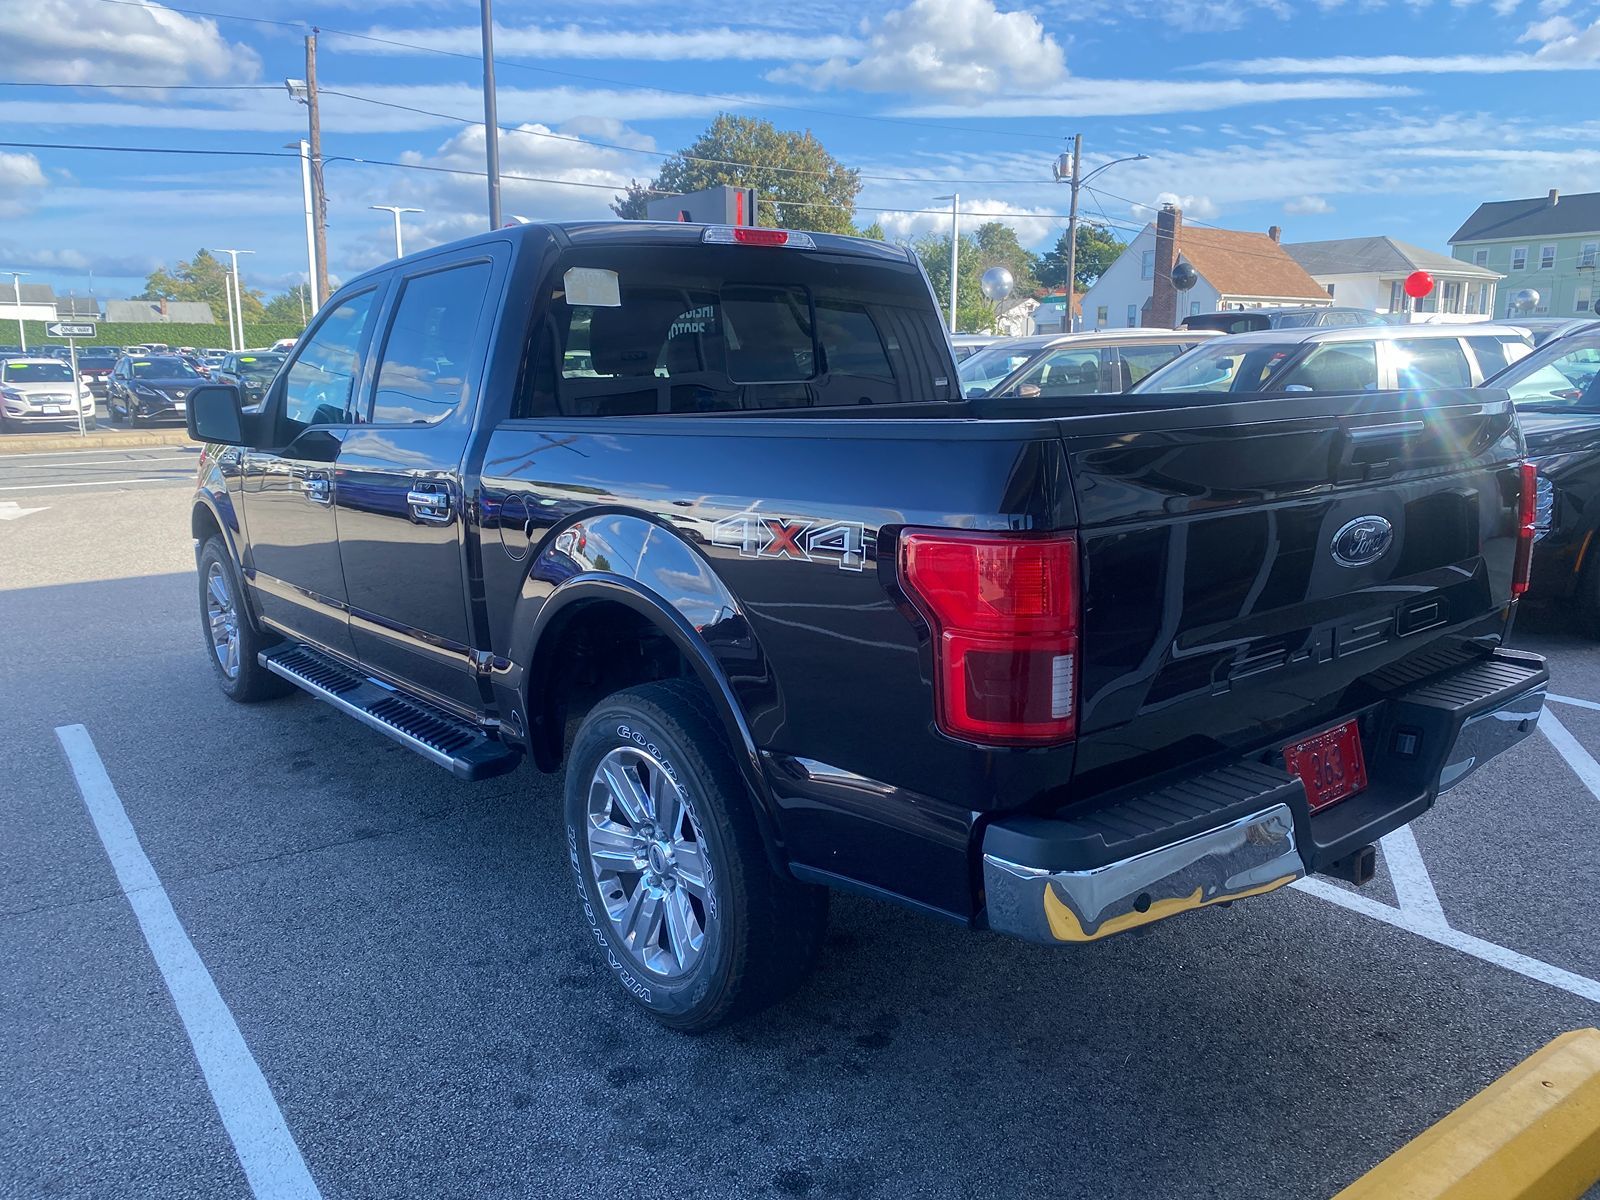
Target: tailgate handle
[1373,433]
[1352,441]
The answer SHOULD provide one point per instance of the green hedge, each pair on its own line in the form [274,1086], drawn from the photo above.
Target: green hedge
[141,332]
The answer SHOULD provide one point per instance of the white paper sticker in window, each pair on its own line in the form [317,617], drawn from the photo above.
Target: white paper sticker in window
[592,286]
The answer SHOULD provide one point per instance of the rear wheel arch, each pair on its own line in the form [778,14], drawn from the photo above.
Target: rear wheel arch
[608,607]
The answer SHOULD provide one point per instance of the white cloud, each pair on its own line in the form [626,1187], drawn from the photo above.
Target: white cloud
[1110,97]
[1307,206]
[965,47]
[1199,208]
[57,41]
[21,179]
[577,42]
[1033,225]
[30,257]
[1561,44]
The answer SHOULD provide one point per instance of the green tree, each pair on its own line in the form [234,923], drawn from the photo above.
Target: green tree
[202,278]
[874,232]
[974,314]
[798,184]
[1098,248]
[287,306]
[997,246]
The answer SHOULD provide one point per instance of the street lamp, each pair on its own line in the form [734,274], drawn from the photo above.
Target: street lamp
[1069,169]
[395,210]
[311,226]
[16,290]
[955,247]
[238,296]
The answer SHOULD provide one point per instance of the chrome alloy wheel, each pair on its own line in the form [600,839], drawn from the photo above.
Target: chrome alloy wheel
[648,862]
[223,618]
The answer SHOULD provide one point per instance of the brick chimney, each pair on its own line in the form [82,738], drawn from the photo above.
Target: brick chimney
[1163,296]
[163,303]
[1555,197]
[1275,234]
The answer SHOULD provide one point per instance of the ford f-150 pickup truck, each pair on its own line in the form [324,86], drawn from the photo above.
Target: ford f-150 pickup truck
[697,515]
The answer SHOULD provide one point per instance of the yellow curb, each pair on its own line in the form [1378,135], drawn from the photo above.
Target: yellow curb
[1533,1134]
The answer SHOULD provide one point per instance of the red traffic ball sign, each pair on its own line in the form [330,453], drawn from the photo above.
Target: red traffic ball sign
[1418,284]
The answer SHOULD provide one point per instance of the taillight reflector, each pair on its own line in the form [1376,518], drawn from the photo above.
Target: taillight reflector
[1527,516]
[752,235]
[1003,609]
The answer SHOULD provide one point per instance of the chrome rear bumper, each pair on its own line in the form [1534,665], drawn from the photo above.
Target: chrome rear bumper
[1476,715]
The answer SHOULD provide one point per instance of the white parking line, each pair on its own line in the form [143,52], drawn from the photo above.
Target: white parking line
[1574,701]
[266,1149]
[1579,759]
[1444,935]
[4,458]
[1412,886]
[39,487]
[103,464]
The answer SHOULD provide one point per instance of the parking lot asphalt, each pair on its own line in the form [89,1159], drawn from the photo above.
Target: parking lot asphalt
[402,957]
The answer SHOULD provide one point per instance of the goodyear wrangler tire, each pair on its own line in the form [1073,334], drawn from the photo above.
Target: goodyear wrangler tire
[672,876]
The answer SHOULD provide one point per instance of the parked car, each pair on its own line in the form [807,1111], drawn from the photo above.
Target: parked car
[1049,366]
[149,388]
[94,368]
[41,391]
[1372,359]
[1558,403]
[966,345]
[1251,320]
[1056,678]
[1545,329]
[252,372]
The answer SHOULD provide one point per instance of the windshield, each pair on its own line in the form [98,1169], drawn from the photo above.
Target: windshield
[38,372]
[259,368]
[1558,378]
[1221,366]
[163,368]
[980,373]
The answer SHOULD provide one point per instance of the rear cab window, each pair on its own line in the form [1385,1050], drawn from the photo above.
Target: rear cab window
[685,329]
[1431,363]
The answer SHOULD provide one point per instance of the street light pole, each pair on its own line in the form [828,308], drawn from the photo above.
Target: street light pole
[227,288]
[396,210]
[955,250]
[491,123]
[1074,175]
[311,224]
[16,290]
[238,290]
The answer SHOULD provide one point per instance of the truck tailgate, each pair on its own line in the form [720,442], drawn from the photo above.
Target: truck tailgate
[1250,567]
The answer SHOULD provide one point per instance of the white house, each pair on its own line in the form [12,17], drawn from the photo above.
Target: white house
[38,301]
[1370,272]
[1236,270]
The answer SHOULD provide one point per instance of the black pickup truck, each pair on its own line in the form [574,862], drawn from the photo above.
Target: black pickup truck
[698,515]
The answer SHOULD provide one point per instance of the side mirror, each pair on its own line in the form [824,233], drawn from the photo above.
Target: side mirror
[215,414]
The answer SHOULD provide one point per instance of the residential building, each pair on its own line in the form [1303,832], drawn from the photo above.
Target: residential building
[182,312]
[1236,269]
[1370,272]
[1549,244]
[38,301]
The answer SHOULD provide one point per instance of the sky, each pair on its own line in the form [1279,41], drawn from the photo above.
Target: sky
[1329,118]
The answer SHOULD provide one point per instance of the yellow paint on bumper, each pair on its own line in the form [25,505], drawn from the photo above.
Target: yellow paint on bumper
[1533,1134]
[1066,926]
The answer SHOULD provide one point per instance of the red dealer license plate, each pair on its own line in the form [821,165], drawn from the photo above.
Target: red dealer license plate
[1329,763]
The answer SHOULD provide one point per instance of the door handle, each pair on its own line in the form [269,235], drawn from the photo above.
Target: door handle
[318,489]
[429,504]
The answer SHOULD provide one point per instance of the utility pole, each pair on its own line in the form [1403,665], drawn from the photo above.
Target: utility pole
[955,250]
[396,210]
[1072,229]
[318,192]
[1072,173]
[16,290]
[491,122]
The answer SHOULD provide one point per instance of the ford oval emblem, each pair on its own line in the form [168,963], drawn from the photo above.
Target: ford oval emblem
[1362,541]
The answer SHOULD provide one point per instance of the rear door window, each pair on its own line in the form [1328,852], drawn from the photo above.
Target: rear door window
[1431,363]
[1063,372]
[1491,353]
[1564,382]
[431,345]
[1139,361]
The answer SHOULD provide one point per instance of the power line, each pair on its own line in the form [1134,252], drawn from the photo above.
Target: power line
[626,83]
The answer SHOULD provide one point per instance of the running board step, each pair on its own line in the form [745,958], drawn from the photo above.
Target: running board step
[464,749]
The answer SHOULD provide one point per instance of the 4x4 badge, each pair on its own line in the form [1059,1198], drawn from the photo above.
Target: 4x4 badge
[1362,541]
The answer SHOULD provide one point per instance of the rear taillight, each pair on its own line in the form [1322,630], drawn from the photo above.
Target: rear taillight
[1004,613]
[1527,516]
